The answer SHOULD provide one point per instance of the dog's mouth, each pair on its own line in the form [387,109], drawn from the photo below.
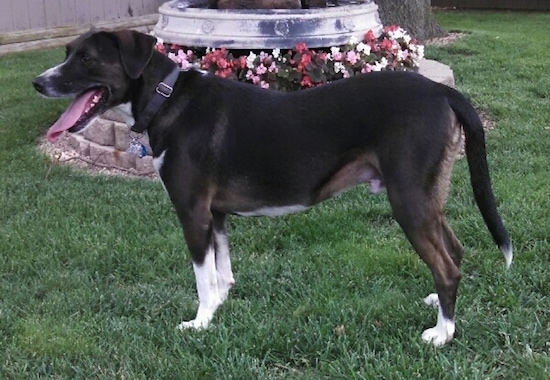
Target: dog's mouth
[83,109]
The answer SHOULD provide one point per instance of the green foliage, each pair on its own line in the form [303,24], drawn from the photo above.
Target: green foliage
[94,275]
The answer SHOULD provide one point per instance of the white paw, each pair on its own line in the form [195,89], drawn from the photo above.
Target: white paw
[436,336]
[194,324]
[444,330]
[432,300]
[223,289]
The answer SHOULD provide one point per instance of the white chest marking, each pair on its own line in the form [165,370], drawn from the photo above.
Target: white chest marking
[157,165]
[124,110]
[158,161]
[273,211]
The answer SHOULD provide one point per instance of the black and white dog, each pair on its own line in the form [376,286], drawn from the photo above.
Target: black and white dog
[223,147]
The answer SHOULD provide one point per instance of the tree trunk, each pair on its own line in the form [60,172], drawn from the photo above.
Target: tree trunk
[415,16]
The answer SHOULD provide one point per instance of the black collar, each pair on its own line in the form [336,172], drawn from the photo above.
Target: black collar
[162,92]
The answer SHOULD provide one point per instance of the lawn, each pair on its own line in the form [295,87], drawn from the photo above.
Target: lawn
[94,275]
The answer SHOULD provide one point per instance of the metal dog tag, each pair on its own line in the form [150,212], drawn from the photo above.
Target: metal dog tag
[136,148]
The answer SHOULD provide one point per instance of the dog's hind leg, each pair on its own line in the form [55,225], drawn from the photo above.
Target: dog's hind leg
[456,251]
[431,247]
[427,230]
[452,244]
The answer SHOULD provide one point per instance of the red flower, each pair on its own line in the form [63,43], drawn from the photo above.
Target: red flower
[322,56]
[306,81]
[369,36]
[223,73]
[222,63]
[386,44]
[241,62]
[160,48]
[305,60]
[300,47]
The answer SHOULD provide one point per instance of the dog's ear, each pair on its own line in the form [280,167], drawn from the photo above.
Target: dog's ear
[136,49]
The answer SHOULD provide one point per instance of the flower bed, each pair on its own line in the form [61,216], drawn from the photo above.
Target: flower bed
[302,67]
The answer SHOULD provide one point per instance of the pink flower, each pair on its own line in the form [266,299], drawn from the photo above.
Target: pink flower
[367,68]
[263,56]
[261,69]
[185,65]
[352,57]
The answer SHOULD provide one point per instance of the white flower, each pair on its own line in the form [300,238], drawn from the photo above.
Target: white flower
[420,51]
[353,40]
[402,55]
[250,60]
[363,48]
[417,53]
[380,65]
[276,53]
[335,50]
[398,33]
[339,67]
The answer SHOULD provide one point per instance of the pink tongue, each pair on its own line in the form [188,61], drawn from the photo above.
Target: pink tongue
[71,115]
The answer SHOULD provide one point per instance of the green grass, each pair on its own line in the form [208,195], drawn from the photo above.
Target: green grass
[94,275]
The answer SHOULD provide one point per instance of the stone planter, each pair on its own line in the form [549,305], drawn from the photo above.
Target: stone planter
[266,28]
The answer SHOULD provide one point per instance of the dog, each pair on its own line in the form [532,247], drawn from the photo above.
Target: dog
[222,147]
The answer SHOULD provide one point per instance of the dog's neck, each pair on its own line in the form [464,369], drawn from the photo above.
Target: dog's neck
[162,81]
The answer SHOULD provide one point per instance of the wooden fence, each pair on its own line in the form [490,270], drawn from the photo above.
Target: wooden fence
[531,5]
[18,15]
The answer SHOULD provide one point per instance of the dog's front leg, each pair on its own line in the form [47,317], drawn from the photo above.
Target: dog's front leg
[214,276]
[206,240]
[207,289]
[198,230]
[224,273]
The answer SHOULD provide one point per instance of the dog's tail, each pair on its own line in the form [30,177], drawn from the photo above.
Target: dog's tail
[479,170]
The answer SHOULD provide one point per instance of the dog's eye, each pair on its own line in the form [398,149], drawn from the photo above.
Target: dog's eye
[85,58]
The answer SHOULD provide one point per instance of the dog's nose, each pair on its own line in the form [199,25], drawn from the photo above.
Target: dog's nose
[38,84]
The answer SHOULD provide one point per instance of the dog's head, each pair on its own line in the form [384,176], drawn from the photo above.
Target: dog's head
[97,71]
